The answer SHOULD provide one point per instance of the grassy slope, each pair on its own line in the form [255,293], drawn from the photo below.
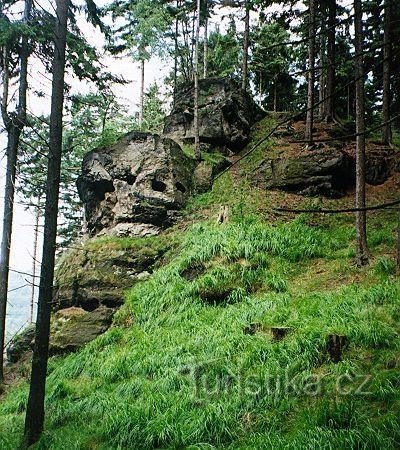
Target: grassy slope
[177,370]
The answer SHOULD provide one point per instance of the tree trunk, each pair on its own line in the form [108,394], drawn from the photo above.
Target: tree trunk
[35,409]
[205,49]
[246,40]
[361,226]
[348,102]
[322,63]
[321,92]
[398,242]
[275,95]
[311,70]
[193,42]
[14,126]
[12,149]
[387,129]
[197,152]
[34,261]
[331,57]
[176,51]
[141,100]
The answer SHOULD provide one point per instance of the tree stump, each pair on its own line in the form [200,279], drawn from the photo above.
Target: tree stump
[279,333]
[336,345]
[223,215]
[252,328]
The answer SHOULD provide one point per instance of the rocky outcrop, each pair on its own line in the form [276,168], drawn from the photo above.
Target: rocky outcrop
[323,172]
[226,114]
[72,328]
[136,186]
[381,162]
[21,344]
[99,273]
[90,285]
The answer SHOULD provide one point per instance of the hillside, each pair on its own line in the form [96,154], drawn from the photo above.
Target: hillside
[257,333]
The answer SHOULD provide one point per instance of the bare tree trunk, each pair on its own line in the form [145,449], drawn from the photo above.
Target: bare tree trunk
[34,420]
[141,100]
[322,71]
[321,92]
[348,102]
[14,125]
[275,95]
[205,49]
[12,148]
[197,152]
[246,43]
[398,242]
[331,56]
[193,44]
[311,76]
[387,129]
[34,261]
[187,59]
[176,51]
[361,225]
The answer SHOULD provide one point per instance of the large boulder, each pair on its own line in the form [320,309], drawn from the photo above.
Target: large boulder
[226,114]
[72,328]
[99,272]
[324,172]
[136,186]
[381,163]
[21,344]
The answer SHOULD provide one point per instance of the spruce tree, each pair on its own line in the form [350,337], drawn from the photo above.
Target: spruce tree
[34,420]
[311,73]
[361,224]
[14,123]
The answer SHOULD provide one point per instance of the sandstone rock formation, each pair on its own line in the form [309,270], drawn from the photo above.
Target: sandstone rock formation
[21,344]
[381,162]
[136,186]
[100,275]
[322,172]
[226,114]
[73,327]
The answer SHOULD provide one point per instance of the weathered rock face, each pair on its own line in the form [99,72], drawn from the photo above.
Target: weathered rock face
[226,114]
[73,328]
[324,172]
[22,344]
[380,164]
[100,272]
[136,186]
[70,330]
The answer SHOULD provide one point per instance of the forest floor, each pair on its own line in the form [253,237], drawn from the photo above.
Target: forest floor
[260,333]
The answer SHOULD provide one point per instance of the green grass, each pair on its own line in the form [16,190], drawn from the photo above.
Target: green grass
[178,371]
